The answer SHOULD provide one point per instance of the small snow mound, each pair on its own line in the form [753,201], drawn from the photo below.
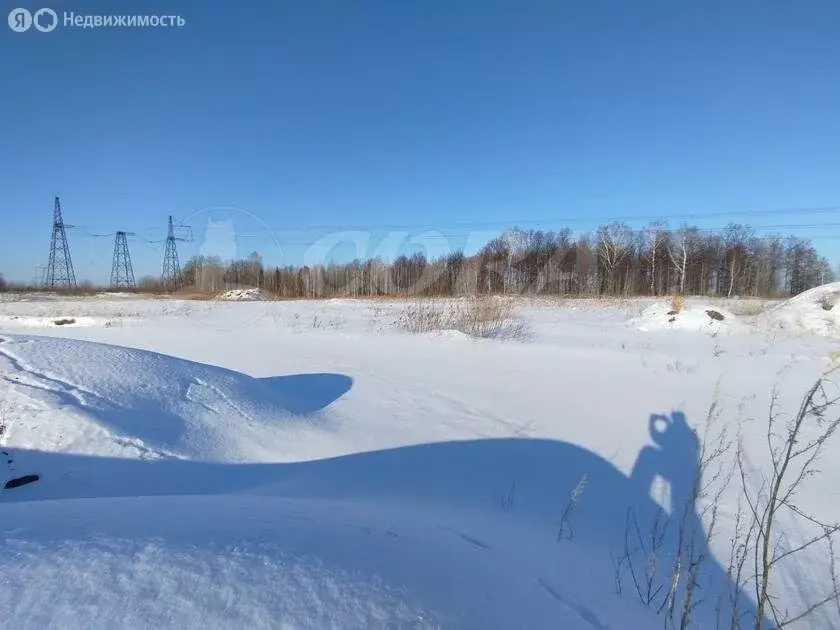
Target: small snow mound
[451,333]
[815,311]
[72,321]
[242,295]
[693,316]
[118,295]
[158,405]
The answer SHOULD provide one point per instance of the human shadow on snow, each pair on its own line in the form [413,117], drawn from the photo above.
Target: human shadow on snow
[564,492]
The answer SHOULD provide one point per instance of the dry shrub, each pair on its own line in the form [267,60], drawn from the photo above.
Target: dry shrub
[677,304]
[489,318]
[480,317]
[747,308]
[828,300]
[422,316]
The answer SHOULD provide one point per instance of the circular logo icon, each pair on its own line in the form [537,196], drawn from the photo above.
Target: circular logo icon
[227,259]
[20,20]
[45,20]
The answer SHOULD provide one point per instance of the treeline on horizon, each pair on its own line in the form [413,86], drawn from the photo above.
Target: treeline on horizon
[613,260]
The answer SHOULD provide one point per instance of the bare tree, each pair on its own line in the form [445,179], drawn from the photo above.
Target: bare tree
[614,246]
[680,252]
[657,234]
[615,259]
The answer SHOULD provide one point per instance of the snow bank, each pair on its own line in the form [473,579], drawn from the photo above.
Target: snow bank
[816,311]
[694,316]
[246,562]
[127,579]
[121,295]
[123,530]
[461,534]
[71,321]
[242,295]
[161,406]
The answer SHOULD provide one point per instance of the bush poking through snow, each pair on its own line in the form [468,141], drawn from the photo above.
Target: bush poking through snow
[742,308]
[490,318]
[64,321]
[424,316]
[677,304]
[662,578]
[795,444]
[480,317]
[566,530]
[715,315]
[828,301]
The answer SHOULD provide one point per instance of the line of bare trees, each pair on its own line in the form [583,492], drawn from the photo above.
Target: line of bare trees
[614,260]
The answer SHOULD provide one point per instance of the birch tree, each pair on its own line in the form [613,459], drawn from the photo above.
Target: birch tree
[680,251]
[614,247]
[657,234]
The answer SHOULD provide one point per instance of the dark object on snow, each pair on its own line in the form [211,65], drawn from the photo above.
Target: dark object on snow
[673,319]
[66,320]
[21,481]
[673,312]
[828,300]
[715,315]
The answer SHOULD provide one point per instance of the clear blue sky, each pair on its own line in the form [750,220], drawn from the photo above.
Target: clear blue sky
[441,114]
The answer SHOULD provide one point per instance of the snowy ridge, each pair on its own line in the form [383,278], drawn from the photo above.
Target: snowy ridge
[350,540]
[53,322]
[414,530]
[163,405]
[813,311]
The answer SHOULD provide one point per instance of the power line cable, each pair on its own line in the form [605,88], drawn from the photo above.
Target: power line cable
[835,209]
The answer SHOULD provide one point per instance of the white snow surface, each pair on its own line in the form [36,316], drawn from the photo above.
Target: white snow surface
[15,321]
[242,295]
[814,311]
[693,316]
[307,464]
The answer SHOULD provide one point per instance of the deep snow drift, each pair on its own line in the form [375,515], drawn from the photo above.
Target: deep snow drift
[319,467]
[694,316]
[160,406]
[814,311]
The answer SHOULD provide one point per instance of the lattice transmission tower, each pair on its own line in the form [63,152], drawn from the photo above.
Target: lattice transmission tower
[122,273]
[59,268]
[171,278]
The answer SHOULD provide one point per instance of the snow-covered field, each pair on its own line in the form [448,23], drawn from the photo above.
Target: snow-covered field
[309,464]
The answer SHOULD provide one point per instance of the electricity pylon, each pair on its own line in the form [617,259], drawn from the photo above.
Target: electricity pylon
[59,268]
[122,273]
[171,278]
